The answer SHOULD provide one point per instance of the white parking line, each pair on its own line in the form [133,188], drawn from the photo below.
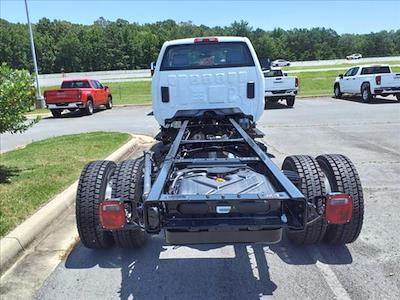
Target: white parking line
[253,262]
[185,252]
[330,277]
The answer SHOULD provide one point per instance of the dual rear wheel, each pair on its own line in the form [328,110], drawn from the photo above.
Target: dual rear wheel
[100,180]
[327,173]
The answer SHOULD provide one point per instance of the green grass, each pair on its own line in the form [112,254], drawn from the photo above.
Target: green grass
[31,176]
[316,83]
[133,92]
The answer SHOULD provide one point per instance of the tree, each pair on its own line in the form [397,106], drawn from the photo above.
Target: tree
[17,96]
[121,45]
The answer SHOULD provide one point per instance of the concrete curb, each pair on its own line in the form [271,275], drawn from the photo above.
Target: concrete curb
[14,243]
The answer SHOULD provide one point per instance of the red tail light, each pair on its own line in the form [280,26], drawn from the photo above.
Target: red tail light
[206,40]
[338,208]
[297,82]
[112,214]
[378,79]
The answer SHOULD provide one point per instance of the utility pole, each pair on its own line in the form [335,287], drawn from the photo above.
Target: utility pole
[39,99]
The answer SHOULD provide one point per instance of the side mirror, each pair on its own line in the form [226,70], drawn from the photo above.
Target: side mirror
[152,68]
[341,76]
[284,74]
[105,87]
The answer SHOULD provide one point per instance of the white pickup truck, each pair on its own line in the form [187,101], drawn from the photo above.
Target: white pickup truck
[369,81]
[279,86]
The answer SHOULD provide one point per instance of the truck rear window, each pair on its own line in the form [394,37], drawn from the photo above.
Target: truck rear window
[375,70]
[75,84]
[273,73]
[206,56]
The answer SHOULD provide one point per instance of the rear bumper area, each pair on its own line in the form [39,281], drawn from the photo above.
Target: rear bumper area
[387,90]
[205,237]
[281,93]
[66,105]
[249,220]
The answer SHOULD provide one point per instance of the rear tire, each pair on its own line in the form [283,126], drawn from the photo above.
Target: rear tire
[56,112]
[336,90]
[290,101]
[128,185]
[343,177]
[398,97]
[89,109]
[366,95]
[91,191]
[109,103]
[311,185]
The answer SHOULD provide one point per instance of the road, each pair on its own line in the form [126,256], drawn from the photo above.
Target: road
[328,62]
[368,269]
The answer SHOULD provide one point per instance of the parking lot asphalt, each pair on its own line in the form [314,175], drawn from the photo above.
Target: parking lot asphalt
[369,134]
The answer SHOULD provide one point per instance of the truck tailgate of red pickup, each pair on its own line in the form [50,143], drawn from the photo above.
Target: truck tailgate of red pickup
[62,96]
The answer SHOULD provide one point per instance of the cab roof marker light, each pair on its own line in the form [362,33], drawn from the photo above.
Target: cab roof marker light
[206,40]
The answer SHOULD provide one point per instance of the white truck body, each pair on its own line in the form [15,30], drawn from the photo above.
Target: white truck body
[368,81]
[278,85]
[207,74]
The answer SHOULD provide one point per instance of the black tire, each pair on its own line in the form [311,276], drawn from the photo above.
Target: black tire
[128,184]
[336,91]
[89,109]
[311,185]
[398,97]
[343,177]
[290,101]
[109,103]
[56,112]
[91,190]
[366,95]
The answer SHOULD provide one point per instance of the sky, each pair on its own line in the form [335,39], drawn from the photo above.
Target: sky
[342,16]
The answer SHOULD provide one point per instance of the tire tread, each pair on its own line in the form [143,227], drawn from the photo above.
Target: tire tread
[312,185]
[91,189]
[346,180]
[127,185]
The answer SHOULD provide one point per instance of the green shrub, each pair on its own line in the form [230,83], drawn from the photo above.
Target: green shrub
[17,96]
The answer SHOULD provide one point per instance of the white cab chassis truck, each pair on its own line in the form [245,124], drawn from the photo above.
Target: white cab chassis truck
[208,179]
[369,81]
[279,86]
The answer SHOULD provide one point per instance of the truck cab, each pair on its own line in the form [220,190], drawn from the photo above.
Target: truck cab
[195,75]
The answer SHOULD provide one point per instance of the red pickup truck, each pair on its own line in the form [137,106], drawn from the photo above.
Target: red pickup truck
[82,94]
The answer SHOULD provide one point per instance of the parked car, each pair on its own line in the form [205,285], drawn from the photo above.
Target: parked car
[83,94]
[368,81]
[210,178]
[279,86]
[280,63]
[354,56]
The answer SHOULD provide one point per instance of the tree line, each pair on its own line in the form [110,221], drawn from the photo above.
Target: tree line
[120,45]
